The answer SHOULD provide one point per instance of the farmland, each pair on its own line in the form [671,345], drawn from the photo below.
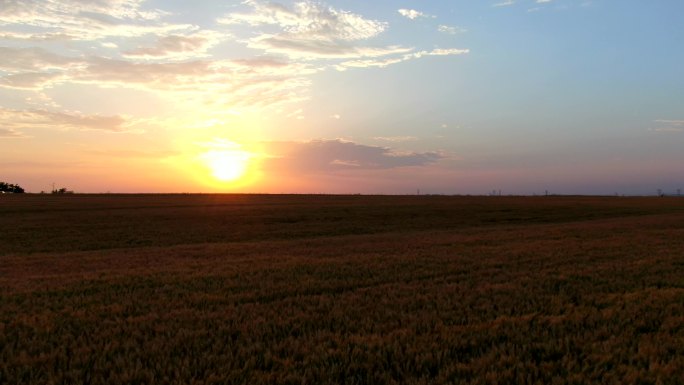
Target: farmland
[279,289]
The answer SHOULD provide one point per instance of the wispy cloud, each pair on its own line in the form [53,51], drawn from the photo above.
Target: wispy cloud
[29,80]
[413,14]
[10,133]
[505,3]
[177,46]
[450,30]
[43,119]
[80,20]
[311,30]
[128,154]
[541,3]
[307,49]
[394,60]
[16,60]
[671,122]
[308,20]
[396,138]
[668,125]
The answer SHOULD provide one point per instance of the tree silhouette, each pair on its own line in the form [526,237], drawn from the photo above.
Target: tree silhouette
[62,190]
[10,188]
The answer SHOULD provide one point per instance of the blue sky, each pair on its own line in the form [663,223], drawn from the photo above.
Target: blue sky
[570,96]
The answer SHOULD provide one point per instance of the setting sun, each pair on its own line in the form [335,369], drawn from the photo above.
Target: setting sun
[218,164]
[227,165]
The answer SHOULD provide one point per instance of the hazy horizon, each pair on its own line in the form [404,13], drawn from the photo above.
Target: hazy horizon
[343,97]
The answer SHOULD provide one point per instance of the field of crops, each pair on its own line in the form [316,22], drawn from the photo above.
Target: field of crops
[252,289]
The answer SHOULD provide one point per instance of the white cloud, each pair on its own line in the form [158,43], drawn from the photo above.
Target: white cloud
[311,31]
[450,30]
[412,14]
[308,20]
[504,3]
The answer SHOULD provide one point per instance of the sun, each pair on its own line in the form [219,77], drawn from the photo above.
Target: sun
[227,165]
[221,164]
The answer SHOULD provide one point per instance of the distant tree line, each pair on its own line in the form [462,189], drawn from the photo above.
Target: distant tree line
[62,190]
[10,188]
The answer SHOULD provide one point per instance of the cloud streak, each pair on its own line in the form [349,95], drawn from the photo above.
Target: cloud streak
[10,133]
[396,138]
[177,46]
[14,120]
[322,156]
[381,63]
[668,125]
[505,3]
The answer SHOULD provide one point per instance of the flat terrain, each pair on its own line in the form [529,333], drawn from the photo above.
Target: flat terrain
[251,289]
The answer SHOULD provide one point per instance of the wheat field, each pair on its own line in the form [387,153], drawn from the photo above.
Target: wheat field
[296,289]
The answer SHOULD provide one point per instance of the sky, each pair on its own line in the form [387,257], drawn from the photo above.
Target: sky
[381,97]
